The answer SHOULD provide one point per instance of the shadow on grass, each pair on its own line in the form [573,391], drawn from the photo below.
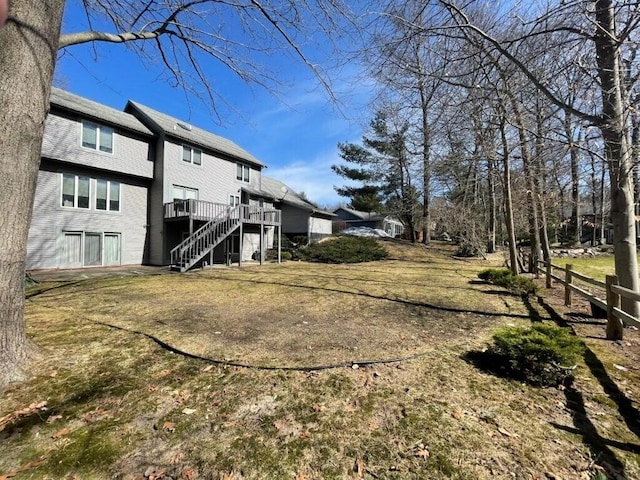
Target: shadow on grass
[377,297]
[598,445]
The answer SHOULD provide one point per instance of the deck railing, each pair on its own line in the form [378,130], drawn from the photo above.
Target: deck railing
[202,210]
[193,249]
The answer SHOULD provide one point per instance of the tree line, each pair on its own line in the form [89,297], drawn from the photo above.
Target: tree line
[504,123]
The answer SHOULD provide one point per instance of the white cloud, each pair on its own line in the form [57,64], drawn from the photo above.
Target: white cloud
[314,177]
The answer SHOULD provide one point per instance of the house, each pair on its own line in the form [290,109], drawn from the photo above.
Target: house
[347,217]
[206,198]
[300,217]
[140,187]
[92,192]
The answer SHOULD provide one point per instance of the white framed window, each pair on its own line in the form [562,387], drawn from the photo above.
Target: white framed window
[76,191]
[107,195]
[191,155]
[97,137]
[90,249]
[184,193]
[243,172]
[234,200]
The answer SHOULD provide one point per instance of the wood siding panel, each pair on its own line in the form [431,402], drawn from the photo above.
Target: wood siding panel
[131,154]
[50,219]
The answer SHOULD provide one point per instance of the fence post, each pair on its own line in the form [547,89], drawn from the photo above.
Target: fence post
[614,324]
[548,273]
[567,282]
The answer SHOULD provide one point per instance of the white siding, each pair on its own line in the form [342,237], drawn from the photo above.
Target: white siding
[320,226]
[62,142]
[215,179]
[46,242]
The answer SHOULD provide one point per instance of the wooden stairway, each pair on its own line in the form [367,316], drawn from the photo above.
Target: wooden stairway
[203,240]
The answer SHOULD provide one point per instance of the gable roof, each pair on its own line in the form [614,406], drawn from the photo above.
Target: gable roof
[193,135]
[362,215]
[282,193]
[96,111]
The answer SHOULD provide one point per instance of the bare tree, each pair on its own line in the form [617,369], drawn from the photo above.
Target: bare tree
[184,34]
[608,30]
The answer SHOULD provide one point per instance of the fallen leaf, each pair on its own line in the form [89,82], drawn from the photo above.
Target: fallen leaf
[278,424]
[25,468]
[24,412]
[374,425]
[188,474]
[305,435]
[422,453]
[504,432]
[53,418]
[189,411]
[208,368]
[359,468]
[456,414]
[164,373]
[318,407]
[53,374]
[301,476]
[620,367]
[61,433]
[169,426]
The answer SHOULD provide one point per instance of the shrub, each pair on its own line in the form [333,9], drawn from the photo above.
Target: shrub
[506,278]
[344,249]
[286,256]
[541,355]
[469,249]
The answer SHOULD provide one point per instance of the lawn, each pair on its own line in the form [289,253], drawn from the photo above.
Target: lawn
[308,371]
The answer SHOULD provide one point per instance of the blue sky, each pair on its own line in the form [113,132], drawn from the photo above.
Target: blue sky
[295,133]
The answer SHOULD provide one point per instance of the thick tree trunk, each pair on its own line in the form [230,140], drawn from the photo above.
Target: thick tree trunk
[28,50]
[532,197]
[617,151]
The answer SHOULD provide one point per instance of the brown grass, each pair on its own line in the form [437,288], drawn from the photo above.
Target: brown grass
[118,405]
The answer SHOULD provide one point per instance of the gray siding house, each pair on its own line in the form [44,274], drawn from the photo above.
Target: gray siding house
[300,217]
[140,187]
[91,198]
[206,202]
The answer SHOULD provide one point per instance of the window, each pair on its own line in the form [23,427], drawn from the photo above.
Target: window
[107,195]
[97,137]
[75,191]
[191,155]
[89,249]
[184,193]
[242,172]
[234,200]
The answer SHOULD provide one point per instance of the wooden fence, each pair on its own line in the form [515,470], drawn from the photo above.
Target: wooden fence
[613,292]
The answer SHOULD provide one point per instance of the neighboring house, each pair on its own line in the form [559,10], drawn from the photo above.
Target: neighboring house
[138,186]
[356,218]
[90,205]
[300,217]
[206,202]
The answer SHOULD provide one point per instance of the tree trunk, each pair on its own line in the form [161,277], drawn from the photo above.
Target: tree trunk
[576,220]
[532,196]
[491,231]
[508,202]
[617,151]
[29,44]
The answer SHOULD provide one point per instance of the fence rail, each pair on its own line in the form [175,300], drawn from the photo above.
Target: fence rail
[616,317]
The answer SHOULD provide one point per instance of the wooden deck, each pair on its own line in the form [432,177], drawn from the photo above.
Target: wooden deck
[206,211]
